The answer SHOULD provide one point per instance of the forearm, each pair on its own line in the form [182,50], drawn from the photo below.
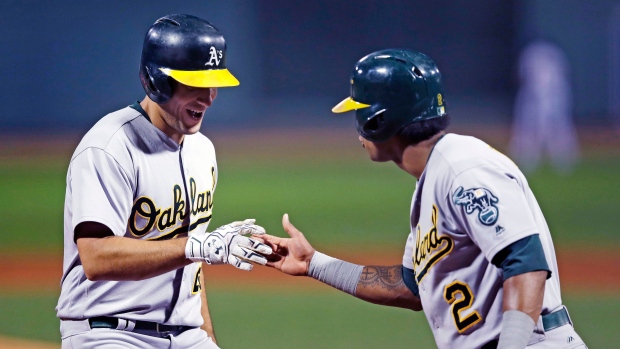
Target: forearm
[124,259]
[384,285]
[522,304]
[207,325]
[375,284]
[525,293]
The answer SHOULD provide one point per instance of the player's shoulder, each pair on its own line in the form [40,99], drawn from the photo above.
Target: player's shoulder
[461,153]
[109,127]
[199,142]
[201,139]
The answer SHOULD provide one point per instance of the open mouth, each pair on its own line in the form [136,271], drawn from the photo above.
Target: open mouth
[195,113]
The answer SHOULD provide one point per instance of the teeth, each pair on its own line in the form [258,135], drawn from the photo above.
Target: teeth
[195,113]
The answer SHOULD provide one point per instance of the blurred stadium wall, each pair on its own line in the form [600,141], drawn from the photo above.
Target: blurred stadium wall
[65,64]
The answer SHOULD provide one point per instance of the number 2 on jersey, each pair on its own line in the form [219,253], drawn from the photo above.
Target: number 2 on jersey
[462,322]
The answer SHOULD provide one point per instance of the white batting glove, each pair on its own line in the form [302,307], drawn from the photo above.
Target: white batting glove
[227,245]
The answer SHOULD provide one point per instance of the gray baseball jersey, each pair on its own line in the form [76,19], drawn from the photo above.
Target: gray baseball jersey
[133,178]
[470,202]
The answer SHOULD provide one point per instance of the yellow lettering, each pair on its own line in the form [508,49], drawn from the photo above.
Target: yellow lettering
[430,248]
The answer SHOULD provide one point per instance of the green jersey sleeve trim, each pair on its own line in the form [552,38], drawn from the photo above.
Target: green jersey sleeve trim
[139,108]
[522,256]
[409,279]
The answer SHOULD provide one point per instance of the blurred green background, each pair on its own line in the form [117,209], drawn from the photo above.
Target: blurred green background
[341,201]
[322,178]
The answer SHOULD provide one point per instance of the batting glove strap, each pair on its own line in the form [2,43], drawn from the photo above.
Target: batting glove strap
[193,249]
[517,328]
[335,272]
[209,248]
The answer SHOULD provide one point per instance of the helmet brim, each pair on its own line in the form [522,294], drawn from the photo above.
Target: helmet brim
[203,78]
[348,104]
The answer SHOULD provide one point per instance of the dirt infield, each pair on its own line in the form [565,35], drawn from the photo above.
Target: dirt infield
[581,271]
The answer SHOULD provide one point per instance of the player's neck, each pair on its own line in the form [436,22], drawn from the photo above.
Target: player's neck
[415,156]
[154,112]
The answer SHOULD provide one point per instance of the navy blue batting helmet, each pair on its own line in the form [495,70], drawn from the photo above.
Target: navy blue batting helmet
[391,89]
[186,48]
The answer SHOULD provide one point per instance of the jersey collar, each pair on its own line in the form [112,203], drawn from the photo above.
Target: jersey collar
[155,137]
[139,108]
[438,139]
[429,157]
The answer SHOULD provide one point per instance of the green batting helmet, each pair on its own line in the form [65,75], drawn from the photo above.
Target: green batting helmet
[391,89]
[186,48]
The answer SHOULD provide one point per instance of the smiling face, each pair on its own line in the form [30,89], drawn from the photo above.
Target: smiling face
[183,113]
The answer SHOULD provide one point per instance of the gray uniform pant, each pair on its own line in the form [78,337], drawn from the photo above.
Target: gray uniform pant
[563,337]
[83,337]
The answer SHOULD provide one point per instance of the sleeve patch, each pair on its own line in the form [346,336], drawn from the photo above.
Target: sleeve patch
[480,200]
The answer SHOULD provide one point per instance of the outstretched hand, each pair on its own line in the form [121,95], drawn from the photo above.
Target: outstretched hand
[290,255]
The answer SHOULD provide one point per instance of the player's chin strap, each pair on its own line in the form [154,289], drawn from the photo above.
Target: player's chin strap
[517,328]
[335,272]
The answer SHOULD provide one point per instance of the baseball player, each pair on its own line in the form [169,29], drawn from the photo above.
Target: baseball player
[139,198]
[479,259]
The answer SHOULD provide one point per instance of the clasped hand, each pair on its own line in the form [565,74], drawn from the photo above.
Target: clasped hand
[290,255]
[228,245]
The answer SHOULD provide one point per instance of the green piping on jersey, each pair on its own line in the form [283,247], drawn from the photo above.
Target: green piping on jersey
[139,108]
[409,280]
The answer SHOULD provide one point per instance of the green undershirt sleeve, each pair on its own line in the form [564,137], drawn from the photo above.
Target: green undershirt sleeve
[409,279]
[522,256]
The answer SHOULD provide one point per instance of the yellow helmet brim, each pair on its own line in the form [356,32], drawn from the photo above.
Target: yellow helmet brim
[203,78]
[348,104]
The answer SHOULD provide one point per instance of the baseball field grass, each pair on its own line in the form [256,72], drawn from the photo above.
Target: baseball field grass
[341,201]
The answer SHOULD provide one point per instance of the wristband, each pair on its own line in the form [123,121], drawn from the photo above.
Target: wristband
[335,272]
[517,328]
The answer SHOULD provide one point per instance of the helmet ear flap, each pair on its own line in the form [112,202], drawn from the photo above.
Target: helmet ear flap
[155,84]
[372,127]
[374,122]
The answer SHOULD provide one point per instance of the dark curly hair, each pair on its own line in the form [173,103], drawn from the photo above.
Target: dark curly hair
[420,131]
